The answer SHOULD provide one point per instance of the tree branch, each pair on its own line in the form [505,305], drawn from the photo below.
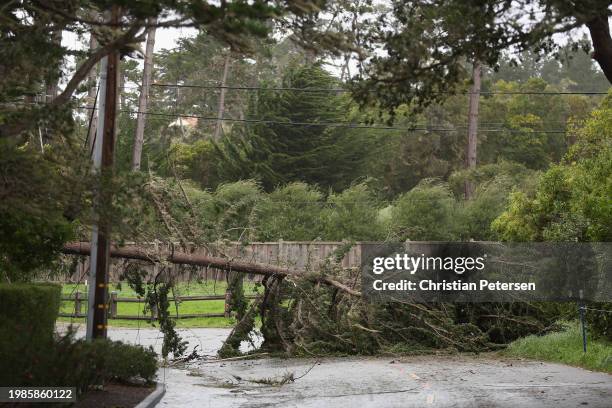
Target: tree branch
[130,36]
[83,71]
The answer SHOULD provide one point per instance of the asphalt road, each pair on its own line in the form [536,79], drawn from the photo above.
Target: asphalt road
[432,381]
[426,381]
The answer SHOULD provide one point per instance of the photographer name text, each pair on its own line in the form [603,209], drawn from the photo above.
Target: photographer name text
[458,265]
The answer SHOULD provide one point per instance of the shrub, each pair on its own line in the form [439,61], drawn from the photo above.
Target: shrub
[115,361]
[29,309]
[234,204]
[291,212]
[599,320]
[27,319]
[31,356]
[352,214]
[427,212]
[65,361]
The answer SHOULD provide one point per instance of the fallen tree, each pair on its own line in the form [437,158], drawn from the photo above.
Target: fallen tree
[184,258]
[322,312]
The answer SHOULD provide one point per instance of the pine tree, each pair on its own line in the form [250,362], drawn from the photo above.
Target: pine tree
[276,153]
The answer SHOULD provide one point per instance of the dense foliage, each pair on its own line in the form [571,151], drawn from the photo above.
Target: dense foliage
[33,355]
[28,312]
[572,200]
[427,43]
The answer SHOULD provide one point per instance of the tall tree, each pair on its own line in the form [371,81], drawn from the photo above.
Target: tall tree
[294,134]
[472,133]
[143,101]
[221,109]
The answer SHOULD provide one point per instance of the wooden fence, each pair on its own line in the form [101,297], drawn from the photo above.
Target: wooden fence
[80,301]
[300,255]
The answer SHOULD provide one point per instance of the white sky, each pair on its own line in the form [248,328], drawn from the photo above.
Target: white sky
[166,38]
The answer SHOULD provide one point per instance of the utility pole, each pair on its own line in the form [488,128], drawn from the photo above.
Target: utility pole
[143,100]
[92,91]
[472,142]
[103,164]
[221,109]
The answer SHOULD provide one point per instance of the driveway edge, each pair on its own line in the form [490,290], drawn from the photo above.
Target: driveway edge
[154,397]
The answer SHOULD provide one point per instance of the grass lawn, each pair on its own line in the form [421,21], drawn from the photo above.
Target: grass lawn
[565,347]
[182,289]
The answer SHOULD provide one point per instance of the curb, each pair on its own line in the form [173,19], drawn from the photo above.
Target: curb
[153,398]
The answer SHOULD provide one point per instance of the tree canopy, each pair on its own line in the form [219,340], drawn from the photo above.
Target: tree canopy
[419,49]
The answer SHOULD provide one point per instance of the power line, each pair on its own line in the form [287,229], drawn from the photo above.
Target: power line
[342,90]
[21,103]
[329,124]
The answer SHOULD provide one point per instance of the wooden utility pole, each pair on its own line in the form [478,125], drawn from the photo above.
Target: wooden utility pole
[221,109]
[472,142]
[92,92]
[103,163]
[143,100]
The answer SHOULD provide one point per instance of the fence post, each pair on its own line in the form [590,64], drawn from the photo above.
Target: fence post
[77,304]
[228,303]
[113,305]
[280,259]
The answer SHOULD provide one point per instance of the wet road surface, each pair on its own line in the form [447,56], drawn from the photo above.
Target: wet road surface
[484,381]
[433,381]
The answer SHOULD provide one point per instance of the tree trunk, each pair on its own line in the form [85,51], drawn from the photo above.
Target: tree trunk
[470,156]
[51,87]
[143,100]
[121,87]
[221,109]
[142,254]
[599,29]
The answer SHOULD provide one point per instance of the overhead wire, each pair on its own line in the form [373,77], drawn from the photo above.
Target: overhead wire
[343,90]
[333,124]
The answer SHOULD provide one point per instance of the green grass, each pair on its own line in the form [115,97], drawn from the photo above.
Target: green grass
[565,347]
[182,289]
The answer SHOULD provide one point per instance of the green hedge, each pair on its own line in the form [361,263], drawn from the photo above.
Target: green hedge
[27,323]
[31,308]
[32,355]
[81,364]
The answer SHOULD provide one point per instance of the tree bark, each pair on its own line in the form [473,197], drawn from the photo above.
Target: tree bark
[141,254]
[221,109]
[143,100]
[599,28]
[472,143]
